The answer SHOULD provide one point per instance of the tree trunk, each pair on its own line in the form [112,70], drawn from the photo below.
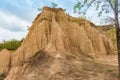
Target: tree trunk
[117,34]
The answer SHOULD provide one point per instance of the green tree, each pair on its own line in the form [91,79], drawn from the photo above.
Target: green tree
[54,5]
[102,6]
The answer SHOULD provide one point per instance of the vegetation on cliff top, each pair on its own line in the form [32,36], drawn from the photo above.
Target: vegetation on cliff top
[11,44]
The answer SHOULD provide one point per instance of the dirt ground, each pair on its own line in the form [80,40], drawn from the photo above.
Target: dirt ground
[103,68]
[45,67]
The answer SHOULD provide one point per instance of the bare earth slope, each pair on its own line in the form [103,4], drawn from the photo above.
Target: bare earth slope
[60,47]
[45,67]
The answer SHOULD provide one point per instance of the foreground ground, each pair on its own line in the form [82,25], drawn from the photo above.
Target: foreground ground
[72,67]
[103,68]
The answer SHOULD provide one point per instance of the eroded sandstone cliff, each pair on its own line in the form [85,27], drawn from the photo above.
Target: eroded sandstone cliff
[53,36]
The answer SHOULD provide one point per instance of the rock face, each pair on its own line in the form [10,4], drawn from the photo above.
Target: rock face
[52,37]
[5,61]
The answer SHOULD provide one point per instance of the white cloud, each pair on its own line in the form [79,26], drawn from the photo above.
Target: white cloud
[12,27]
[12,22]
[7,35]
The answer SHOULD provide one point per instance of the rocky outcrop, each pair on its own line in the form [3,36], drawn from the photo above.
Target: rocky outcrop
[55,35]
[5,61]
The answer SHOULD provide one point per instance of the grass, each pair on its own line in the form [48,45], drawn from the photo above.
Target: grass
[109,70]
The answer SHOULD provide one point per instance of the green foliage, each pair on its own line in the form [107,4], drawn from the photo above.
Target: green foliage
[40,9]
[54,5]
[10,45]
[85,1]
[64,10]
[109,70]
[77,7]
[102,6]
[28,28]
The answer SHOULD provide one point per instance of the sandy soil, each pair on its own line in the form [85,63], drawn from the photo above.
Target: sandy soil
[106,68]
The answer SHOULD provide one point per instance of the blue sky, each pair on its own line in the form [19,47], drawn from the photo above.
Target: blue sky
[16,15]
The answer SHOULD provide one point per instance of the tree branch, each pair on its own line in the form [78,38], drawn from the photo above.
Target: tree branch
[110,4]
[89,5]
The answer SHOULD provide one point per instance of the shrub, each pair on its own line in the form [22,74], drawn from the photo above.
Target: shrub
[11,44]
